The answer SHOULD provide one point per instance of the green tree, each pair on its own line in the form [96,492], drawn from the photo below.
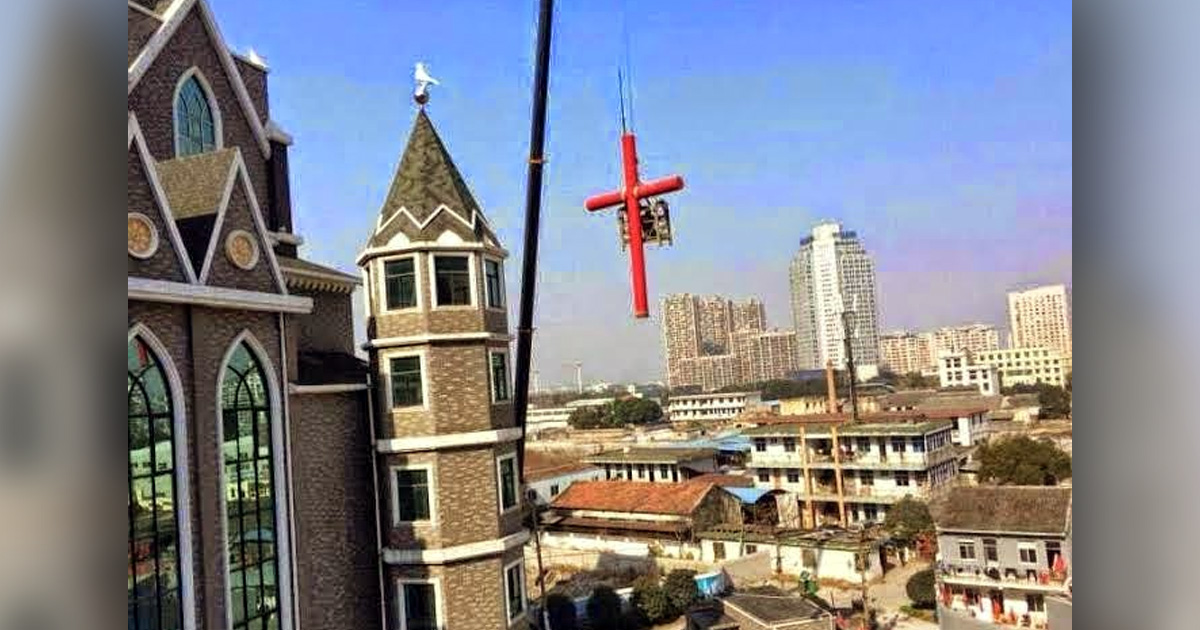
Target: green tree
[653,601]
[596,417]
[561,611]
[681,589]
[921,589]
[604,609]
[908,520]
[636,411]
[1023,461]
[915,380]
[1055,402]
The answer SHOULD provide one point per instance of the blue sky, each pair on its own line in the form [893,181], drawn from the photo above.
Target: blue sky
[940,131]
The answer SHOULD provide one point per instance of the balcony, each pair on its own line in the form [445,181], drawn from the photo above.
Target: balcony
[993,576]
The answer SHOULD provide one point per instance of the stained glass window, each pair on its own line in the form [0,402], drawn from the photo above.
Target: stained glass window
[153,583]
[195,131]
[249,494]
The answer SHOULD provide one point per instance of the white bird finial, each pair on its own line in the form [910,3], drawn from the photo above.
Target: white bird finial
[421,76]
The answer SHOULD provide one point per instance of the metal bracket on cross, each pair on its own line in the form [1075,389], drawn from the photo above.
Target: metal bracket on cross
[636,199]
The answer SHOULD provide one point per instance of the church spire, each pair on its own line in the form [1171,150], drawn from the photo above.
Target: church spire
[425,181]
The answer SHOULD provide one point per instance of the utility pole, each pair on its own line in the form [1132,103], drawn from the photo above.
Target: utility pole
[862,573]
[533,211]
[847,338]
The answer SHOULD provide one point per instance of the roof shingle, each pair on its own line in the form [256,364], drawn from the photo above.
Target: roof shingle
[678,499]
[1018,509]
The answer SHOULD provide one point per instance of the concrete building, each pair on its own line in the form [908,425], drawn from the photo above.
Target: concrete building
[1027,366]
[655,465]
[832,271]
[438,343]
[765,354]
[714,342]
[905,352]
[540,419]
[969,338]
[1041,318]
[843,473]
[828,554]
[955,369]
[712,407]
[1002,553]
[762,608]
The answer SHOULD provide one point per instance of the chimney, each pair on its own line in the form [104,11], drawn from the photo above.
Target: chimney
[831,387]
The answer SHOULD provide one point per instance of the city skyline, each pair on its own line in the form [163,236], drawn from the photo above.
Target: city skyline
[941,134]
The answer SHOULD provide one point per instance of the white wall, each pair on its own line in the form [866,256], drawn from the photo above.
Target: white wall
[542,486]
[832,564]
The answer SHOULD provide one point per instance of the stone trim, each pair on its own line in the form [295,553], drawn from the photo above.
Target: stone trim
[448,440]
[136,137]
[457,553]
[425,246]
[333,388]
[150,290]
[389,342]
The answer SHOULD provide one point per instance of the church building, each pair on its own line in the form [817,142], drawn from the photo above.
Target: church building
[279,477]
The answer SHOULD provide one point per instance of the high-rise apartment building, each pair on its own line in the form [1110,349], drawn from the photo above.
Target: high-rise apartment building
[713,342]
[904,352]
[1041,318]
[833,272]
[971,338]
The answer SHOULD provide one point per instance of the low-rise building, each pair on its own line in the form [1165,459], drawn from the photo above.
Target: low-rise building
[1002,552]
[637,519]
[843,473]
[549,475]
[766,608]
[956,369]
[712,407]
[828,554]
[1027,366]
[540,419]
[655,465]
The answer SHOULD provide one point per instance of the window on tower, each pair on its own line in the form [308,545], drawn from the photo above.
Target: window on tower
[452,278]
[400,283]
[410,495]
[419,609]
[514,589]
[499,370]
[195,128]
[493,278]
[405,374]
[507,476]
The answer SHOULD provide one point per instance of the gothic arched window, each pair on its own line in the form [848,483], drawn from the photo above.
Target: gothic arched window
[195,126]
[249,478]
[153,528]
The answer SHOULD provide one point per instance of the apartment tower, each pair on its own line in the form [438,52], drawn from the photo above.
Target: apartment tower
[438,346]
[905,352]
[972,338]
[831,272]
[1041,318]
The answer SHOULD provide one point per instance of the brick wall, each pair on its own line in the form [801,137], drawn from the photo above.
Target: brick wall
[222,271]
[165,264]
[452,320]
[331,461]
[473,591]
[330,325]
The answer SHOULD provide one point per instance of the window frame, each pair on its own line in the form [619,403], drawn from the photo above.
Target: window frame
[718,550]
[519,564]
[472,279]
[508,385]
[1022,547]
[500,459]
[385,365]
[213,109]
[438,604]
[418,286]
[970,544]
[502,289]
[991,547]
[394,493]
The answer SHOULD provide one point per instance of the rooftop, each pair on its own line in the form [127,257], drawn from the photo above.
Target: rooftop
[678,499]
[851,430]
[539,465]
[773,607]
[833,538]
[1017,509]
[714,395]
[653,455]
[723,480]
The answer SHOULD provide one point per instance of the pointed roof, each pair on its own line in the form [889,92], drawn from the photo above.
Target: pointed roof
[426,184]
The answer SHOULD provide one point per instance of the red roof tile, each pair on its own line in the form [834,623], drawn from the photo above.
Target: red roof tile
[735,481]
[680,499]
[543,466]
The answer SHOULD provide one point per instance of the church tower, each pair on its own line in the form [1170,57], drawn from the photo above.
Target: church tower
[438,344]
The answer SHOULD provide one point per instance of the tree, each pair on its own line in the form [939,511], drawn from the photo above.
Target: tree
[589,418]
[626,411]
[561,611]
[604,609]
[681,589]
[915,380]
[908,520]
[1023,461]
[1055,402]
[921,589]
[653,601]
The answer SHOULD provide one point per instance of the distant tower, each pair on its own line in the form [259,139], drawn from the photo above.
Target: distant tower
[438,346]
[1041,318]
[579,377]
[831,270]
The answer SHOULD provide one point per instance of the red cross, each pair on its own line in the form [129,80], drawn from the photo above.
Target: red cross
[633,191]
